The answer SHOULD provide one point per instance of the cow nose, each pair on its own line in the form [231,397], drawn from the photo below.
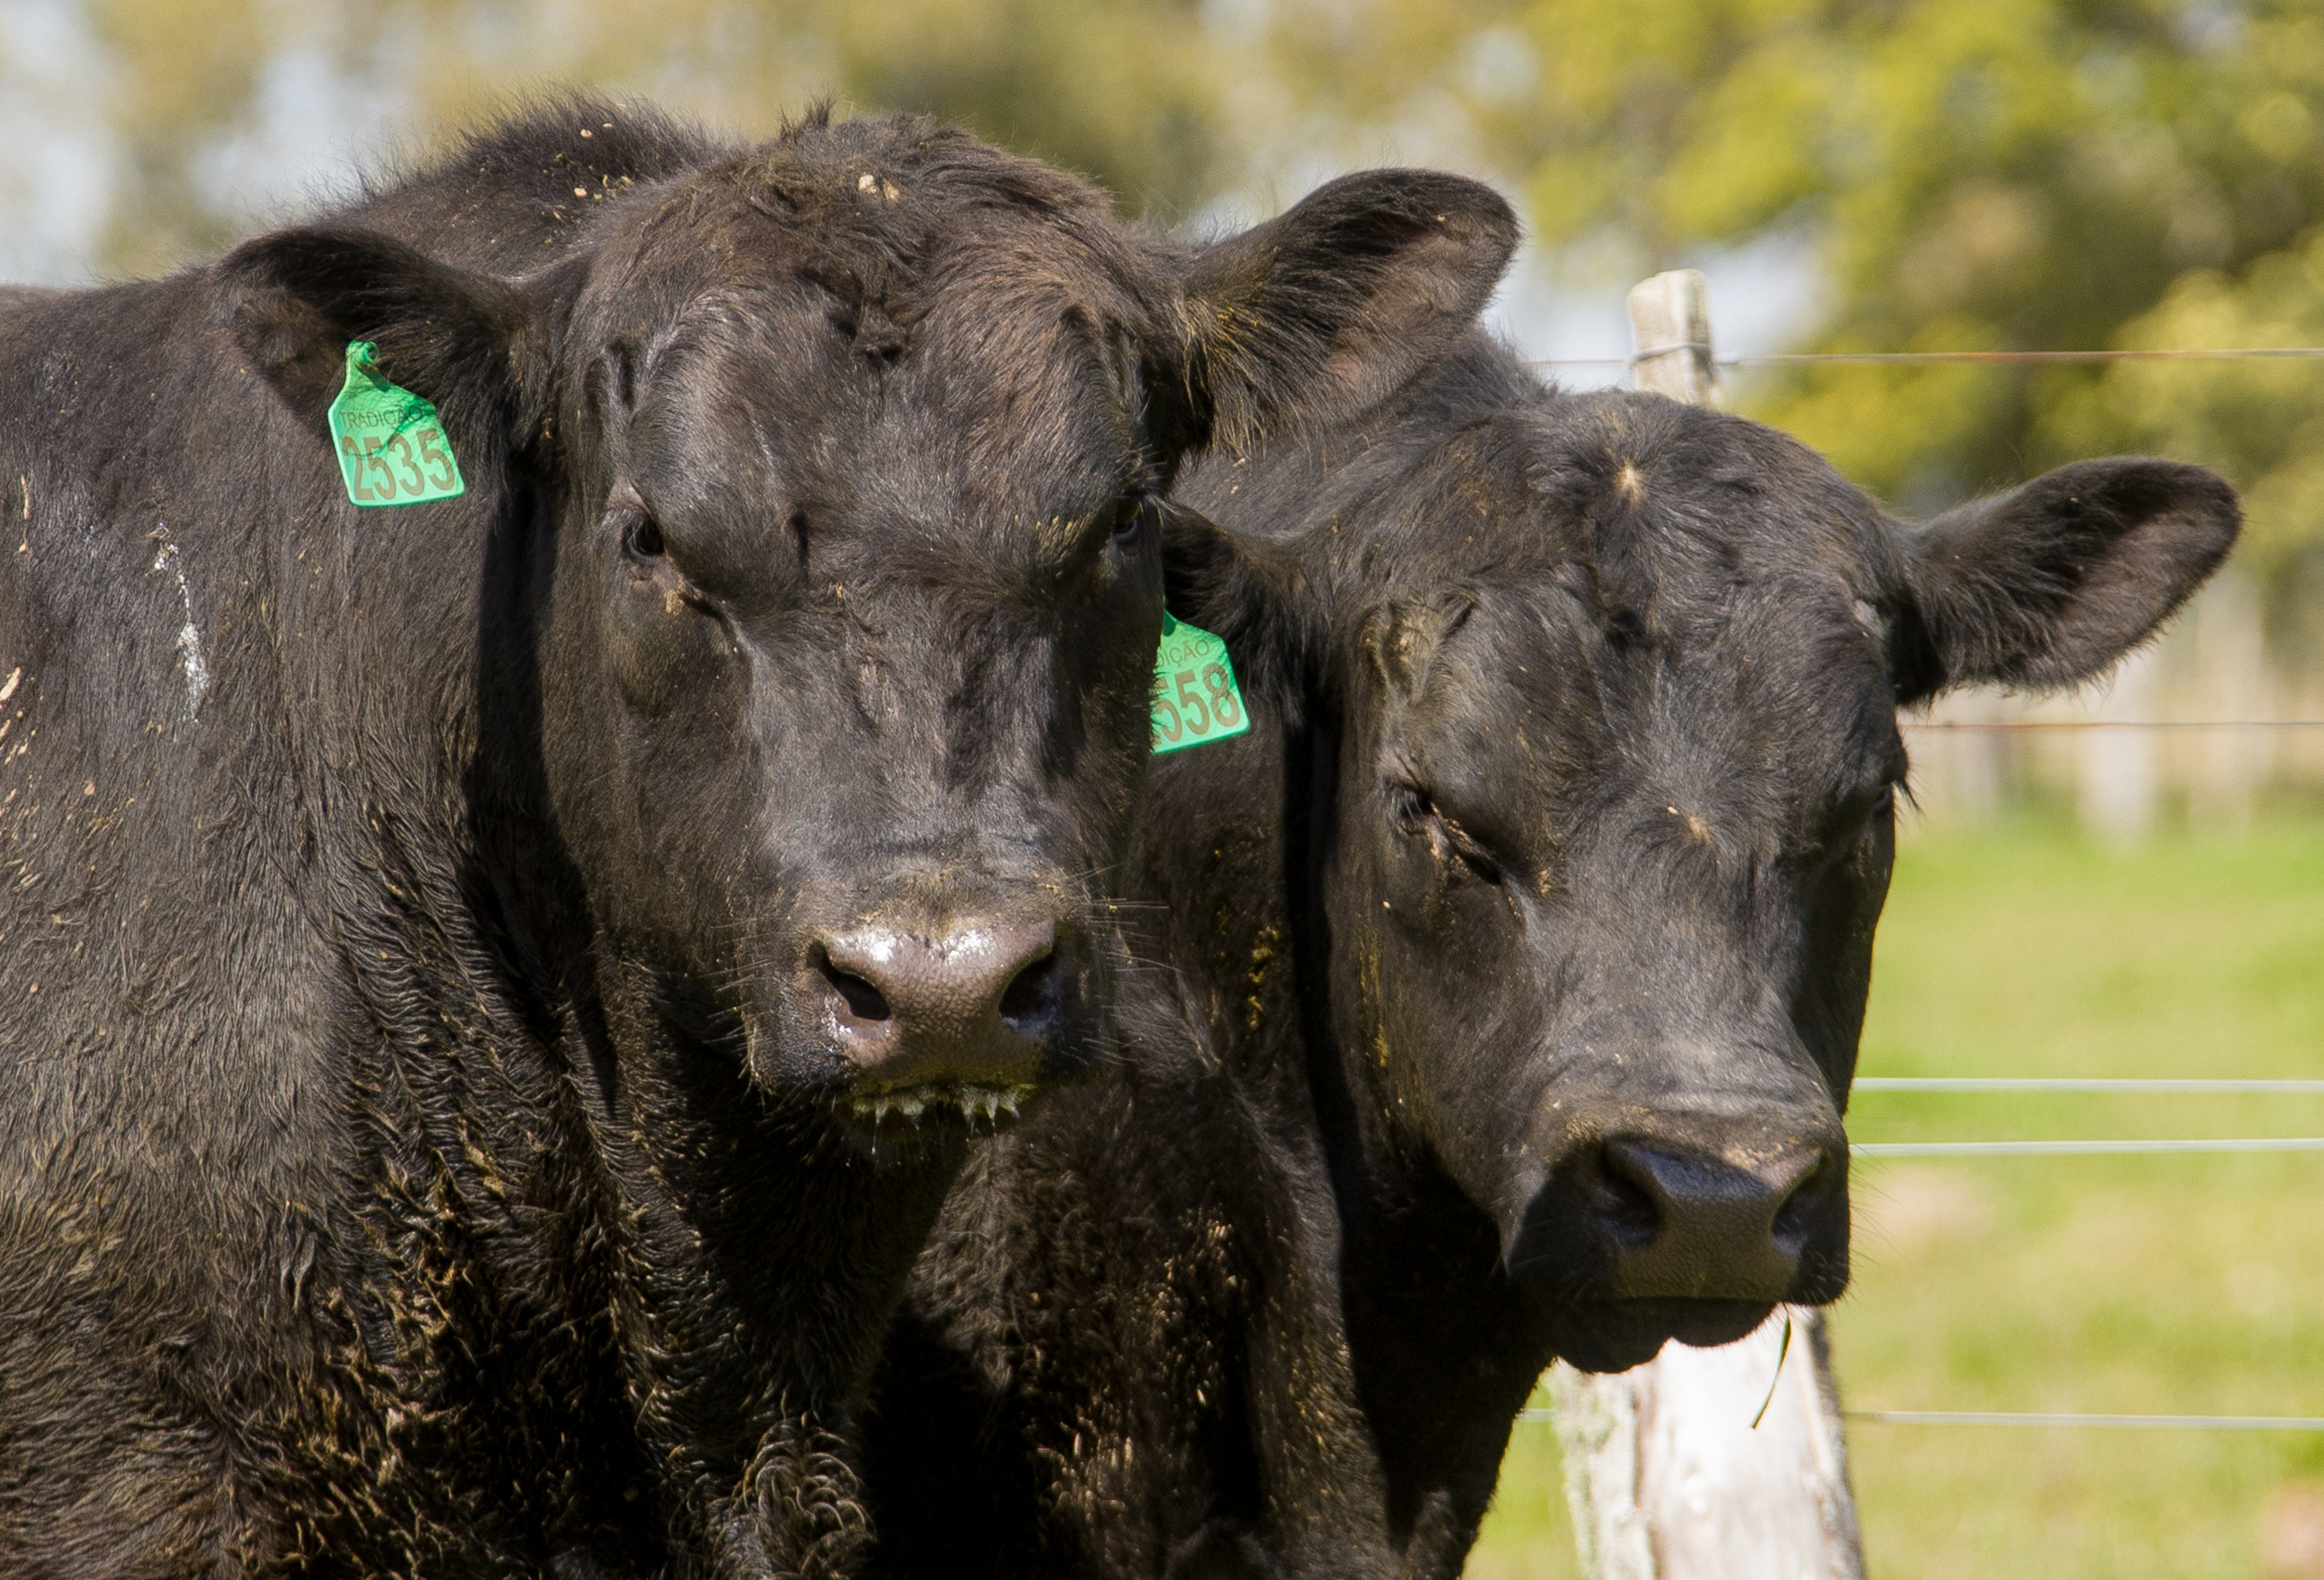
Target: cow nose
[971,1005]
[1689,1224]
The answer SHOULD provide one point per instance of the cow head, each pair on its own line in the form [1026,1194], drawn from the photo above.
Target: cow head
[1609,816]
[836,467]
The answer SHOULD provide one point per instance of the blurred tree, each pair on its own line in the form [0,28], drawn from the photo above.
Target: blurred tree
[183,73]
[1125,91]
[1967,173]
[1971,173]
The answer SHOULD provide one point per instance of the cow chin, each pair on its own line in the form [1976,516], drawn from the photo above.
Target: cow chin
[1613,1335]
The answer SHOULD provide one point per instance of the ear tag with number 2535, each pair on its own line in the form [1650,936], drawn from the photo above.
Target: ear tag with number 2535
[1196,700]
[391,446]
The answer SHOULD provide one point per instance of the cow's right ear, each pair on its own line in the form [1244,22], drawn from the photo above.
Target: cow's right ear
[476,347]
[1332,305]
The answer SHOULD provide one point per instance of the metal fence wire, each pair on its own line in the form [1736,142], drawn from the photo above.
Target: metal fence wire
[1978,1084]
[1922,359]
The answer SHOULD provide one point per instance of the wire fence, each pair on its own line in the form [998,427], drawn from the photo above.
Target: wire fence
[2051,1419]
[2054,1418]
[2077,1084]
[1671,326]
[2080,1149]
[2069,1084]
[2014,726]
[1922,359]
[1979,1084]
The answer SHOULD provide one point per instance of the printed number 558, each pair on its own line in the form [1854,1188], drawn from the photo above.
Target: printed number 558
[1190,704]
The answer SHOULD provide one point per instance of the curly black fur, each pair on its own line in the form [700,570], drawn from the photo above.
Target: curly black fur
[420,1151]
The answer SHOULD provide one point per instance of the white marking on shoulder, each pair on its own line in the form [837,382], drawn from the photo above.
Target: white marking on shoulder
[1868,616]
[7,687]
[188,636]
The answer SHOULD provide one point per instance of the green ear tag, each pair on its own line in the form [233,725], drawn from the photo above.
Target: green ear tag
[1196,700]
[393,450]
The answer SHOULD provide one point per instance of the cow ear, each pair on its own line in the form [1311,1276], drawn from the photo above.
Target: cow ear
[1325,310]
[1251,594]
[474,345]
[2052,582]
[1401,638]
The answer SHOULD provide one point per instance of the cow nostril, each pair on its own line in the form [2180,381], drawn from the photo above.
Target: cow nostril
[1031,999]
[865,1002]
[1796,1220]
[1627,1205]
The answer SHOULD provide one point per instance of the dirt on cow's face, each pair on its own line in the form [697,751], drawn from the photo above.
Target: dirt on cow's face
[871,583]
[1613,692]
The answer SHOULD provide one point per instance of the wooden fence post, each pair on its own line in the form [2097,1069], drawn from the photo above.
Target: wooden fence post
[1670,332]
[1667,1477]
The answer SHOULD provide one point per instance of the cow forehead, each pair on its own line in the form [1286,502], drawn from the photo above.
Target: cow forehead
[1776,693]
[765,398]
[881,225]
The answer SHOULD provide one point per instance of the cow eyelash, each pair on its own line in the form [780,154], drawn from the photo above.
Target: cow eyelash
[1416,814]
[1848,832]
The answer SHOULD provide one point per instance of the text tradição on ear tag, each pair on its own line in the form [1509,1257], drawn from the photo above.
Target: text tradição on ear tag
[1196,700]
[393,450]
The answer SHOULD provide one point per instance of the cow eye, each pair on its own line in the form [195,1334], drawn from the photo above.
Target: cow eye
[1134,515]
[1418,816]
[1852,822]
[642,539]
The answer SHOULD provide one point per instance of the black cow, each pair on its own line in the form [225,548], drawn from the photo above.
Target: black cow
[1521,949]
[493,992]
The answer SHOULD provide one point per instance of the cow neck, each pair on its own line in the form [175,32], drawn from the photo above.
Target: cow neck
[505,1159]
[1443,1354]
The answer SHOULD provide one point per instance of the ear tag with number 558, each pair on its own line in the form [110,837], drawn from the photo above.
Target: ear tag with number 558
[1196,700]
[391,446]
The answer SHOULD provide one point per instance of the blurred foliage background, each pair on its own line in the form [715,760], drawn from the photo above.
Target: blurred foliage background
[1965,173]
[1853,174]
[1953,174]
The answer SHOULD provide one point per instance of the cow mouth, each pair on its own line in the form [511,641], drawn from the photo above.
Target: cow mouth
[1614,1336]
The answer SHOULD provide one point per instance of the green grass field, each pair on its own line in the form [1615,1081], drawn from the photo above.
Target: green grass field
[2162,1284]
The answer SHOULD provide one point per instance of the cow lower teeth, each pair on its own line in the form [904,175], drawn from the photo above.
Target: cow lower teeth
[988,1103]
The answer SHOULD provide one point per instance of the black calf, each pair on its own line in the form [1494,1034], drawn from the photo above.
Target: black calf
[493,992]
[1520,952]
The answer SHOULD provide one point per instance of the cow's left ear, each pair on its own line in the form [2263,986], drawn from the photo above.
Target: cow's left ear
[476,347]
[2052,582]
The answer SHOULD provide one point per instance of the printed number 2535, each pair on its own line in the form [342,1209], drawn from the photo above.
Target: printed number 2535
[398,466]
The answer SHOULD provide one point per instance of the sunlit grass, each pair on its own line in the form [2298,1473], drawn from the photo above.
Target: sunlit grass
[2163,1284]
